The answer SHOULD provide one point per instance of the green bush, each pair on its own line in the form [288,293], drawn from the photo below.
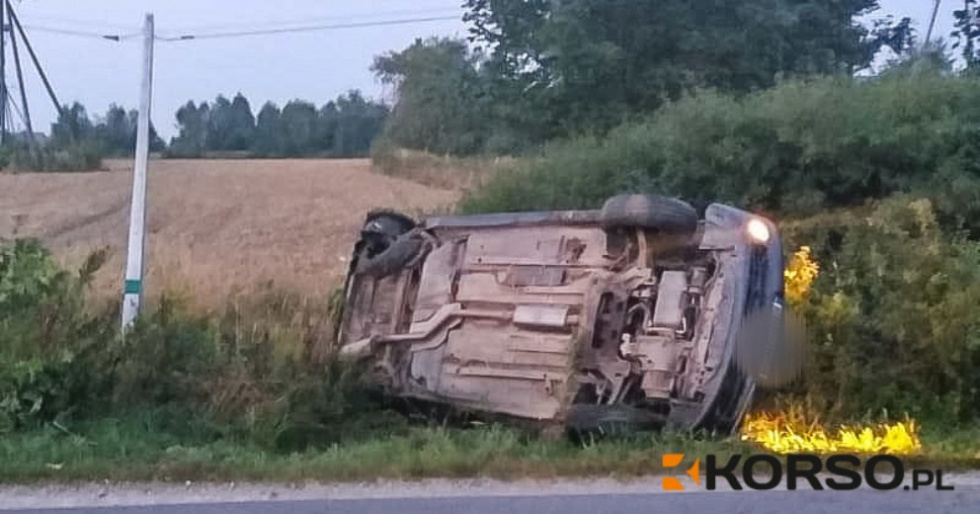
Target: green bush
[797,148]
[50,345]
[263,368]
[892,314]
[167,358]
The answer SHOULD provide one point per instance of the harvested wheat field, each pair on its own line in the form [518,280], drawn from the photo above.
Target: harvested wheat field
[214,227]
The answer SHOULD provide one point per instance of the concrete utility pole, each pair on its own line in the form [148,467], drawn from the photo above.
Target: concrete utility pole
[133,291]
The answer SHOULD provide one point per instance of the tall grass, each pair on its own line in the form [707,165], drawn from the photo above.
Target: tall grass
[79,156]
[444,172]
[262,367]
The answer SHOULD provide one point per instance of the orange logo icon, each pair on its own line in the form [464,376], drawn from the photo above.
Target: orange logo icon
[672,460]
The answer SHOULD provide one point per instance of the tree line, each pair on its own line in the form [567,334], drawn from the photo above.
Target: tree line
[76,141]
[345,127]
[535,70]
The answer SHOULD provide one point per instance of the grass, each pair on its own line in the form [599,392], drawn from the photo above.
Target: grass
[136,448]
[954,449]
[442,172]
[132,449]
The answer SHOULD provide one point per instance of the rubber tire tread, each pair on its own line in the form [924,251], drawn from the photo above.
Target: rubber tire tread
[662,213]
[396,256]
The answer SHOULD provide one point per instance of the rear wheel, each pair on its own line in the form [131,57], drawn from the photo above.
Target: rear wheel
[389,240]
[393,257]
[381,250]
[388,222]
[660,213]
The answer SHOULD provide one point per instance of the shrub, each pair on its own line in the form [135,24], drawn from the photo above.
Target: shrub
[892,314]
[167,358]
[80,156]
[797,148]
[49,344]
[263,368]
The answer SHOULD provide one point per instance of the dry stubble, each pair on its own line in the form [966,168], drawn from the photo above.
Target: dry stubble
[214,226]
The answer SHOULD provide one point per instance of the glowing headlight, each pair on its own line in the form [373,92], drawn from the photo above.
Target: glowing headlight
[758,231]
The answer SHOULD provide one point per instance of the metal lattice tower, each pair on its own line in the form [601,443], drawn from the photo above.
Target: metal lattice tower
[14,37]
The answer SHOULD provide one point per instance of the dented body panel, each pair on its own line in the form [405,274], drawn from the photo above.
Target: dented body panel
[548,316]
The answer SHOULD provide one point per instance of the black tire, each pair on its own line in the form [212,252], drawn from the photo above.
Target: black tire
[388,223]
[384,245]
[392,258]
[666,215]
[616,419]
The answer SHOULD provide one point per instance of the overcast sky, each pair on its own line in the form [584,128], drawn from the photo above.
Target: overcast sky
[314,66]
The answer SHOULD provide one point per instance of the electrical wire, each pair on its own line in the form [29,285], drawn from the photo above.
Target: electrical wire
[81,33]
[57,20]
[240,30]
[313,21]
[307,28]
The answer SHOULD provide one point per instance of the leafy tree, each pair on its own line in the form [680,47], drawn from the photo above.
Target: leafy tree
[193,122]
[328,125]
[73,124]
[118,129]
[116,132]
[267,131]
[219,124]
[441,104]
[231,124]
[298,126]
[598,61]
[79,143]
[242,124]
[967,33]
[346,126]
[357,123]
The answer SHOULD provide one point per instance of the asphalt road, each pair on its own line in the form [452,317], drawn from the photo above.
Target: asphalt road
[776,502]
[479,496]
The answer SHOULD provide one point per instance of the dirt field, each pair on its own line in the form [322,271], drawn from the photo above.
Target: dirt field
[214,226]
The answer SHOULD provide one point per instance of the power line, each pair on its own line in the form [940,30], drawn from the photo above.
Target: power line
[80,21]
[213,33]
[270,24]
[79,33]
[307,28]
